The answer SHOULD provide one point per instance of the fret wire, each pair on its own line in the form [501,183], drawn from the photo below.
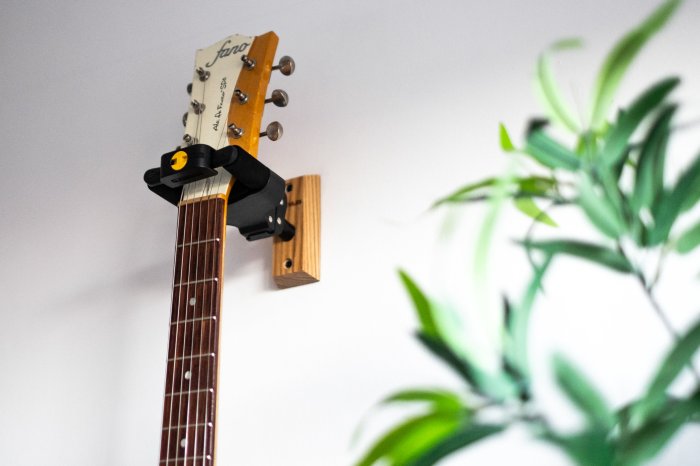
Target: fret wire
[197,282]
[196,243]
[196,319]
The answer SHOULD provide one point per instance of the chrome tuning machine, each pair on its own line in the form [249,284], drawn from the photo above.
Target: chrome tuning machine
[285,66]
[279,98]
[273,131]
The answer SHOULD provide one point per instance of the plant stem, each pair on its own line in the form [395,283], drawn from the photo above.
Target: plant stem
[649,291]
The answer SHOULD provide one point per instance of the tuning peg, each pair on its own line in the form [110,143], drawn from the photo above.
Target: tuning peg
[184,118]
[241,96]
[198,107]
[286,65]
[279,98]
[189,88]
[235,131]
[248,62]
[202,73]
[273,131]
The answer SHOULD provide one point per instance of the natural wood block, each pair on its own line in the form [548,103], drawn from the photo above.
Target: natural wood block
[297,261]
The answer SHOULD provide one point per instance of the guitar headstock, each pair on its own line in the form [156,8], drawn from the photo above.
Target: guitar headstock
[227,100]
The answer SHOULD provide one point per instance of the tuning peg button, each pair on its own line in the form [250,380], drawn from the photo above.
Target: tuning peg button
[279,98]
[273,131]
[286,65]
[189,88]
[184,118]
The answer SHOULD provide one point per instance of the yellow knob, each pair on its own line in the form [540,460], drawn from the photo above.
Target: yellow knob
[178,160]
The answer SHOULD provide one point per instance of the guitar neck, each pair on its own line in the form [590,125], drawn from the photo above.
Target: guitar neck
[189,410]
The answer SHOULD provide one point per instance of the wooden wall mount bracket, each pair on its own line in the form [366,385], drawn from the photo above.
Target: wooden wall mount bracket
[297,261]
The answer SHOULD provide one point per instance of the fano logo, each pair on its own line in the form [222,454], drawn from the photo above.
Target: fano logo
[224,52]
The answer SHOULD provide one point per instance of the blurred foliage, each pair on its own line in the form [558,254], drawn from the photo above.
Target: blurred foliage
[614,173]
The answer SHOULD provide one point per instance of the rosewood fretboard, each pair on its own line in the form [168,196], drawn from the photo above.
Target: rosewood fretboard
[190,386]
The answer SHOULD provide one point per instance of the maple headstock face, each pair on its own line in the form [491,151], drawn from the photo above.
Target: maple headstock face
[227,100]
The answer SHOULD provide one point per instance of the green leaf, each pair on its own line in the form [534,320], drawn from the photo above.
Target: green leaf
[497,386]
[691,179]
[600,210]
[462,194]
[411,438]
[558,109]
[671,203]
[535,186]
[588,448]
[422,306]
[618,139]
[506,141]
[591,252]
[680,356]
[689,240]
[462,437]
[550,153]
[527,206]
[519,320]
[621,56]
[583,394]
[438,400]
[646,442]
[649,180]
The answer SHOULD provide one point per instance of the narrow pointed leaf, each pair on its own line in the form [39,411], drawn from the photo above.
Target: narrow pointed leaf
[549,152]
[463,193]
[618,139]
[421,304]
[506,141]
[559,110]
[527,206]
[649,180]
[438,400]
[600,210]
[673,202]
[591,252]
[689,240]
[588,448]
[411,438]
[462,437]
[680,356]
[583,394]
[691,179]
[519,321]
[495,386]
[646,442]
[621,56]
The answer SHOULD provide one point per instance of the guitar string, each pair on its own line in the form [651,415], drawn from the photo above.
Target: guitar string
[212,323]
[212,305]
[182,219]
[211,343]
[187,325]
[187,297]
[187,332]
[172,301]
[190,326]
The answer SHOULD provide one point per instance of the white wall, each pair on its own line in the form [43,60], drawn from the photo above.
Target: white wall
[394,103]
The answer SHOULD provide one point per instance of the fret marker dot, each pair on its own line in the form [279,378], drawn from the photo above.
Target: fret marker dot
[188,375]
[193,301]
[183,442]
